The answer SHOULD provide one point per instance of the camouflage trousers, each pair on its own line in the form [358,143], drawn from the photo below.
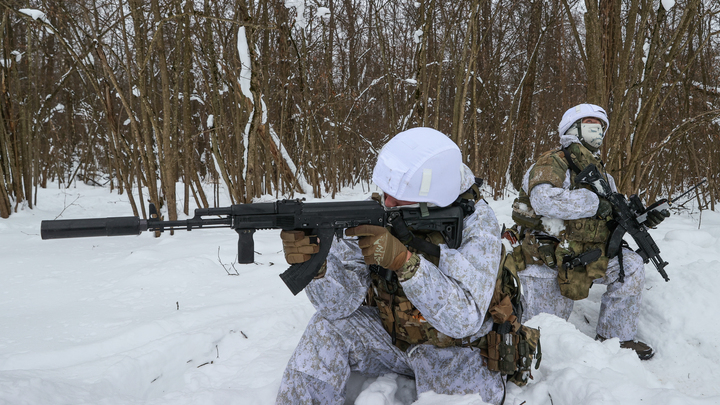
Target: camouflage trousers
[619,306]
[329,350]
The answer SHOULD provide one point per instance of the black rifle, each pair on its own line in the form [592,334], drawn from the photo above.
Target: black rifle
[625,215]
[323,219]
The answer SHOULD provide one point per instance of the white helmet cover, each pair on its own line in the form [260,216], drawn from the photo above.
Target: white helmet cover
[582,111]
[420,165]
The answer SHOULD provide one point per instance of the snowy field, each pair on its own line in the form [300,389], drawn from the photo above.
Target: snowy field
[144,320]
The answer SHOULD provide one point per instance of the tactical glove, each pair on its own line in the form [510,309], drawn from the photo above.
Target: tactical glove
[655,217]
[604,208]
[298,246]
[379,246]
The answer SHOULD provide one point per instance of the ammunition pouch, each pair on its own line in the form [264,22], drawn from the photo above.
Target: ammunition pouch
[510,347]
[511,353]
[514,260]
[587,230]
[405,322]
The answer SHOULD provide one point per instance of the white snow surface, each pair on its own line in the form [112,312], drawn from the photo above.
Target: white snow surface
[145,320]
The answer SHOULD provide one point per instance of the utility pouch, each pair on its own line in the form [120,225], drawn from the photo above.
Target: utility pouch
[524,215]
[539,250]
[502,352]
[574,283]
[512,353]
[517,257]
[507,353]
[493,351]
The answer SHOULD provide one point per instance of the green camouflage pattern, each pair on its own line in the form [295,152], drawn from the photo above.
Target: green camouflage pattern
[587,230]
[575,283]
[537,251]
[523,213]
[579,236]
[549,169]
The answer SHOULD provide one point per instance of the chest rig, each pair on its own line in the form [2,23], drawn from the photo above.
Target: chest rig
[558,247]
[405,324]
[509,348]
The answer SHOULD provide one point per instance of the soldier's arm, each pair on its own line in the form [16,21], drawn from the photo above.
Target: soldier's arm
[455,296]
[548,185]
[341,291]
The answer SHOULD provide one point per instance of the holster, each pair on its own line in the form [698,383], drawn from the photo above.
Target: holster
[575,283]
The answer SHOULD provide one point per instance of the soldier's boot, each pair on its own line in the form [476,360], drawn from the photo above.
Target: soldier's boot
[643,350]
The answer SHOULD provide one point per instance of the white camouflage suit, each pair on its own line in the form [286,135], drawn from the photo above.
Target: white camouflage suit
[620,304]
[345,336]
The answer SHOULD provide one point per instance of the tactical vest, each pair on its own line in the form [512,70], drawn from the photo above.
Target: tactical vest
[544,242]
[399,316]
[509,348]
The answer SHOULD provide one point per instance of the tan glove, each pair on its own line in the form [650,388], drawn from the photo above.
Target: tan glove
[298,246]
[379,246]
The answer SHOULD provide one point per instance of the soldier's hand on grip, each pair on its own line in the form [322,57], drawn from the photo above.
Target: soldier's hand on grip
[298,246]
[604,208]
[379,246]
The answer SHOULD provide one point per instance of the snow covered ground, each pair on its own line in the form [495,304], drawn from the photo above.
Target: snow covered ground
[144,320]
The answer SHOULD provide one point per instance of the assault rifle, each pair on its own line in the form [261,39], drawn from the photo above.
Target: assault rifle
[323,219]
[629,216]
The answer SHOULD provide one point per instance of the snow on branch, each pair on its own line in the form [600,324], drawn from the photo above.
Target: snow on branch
[38,15]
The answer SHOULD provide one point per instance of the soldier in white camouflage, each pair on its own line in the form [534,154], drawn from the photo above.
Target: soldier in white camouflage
[559,219]
[429,323]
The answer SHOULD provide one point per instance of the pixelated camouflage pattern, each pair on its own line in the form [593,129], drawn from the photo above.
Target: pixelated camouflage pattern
[587,230]
[575,283]
[345,336]
[399,316]
[580,235]
[541,293]
[330,350]
[537,251]
[620,304]
[404,321]
[523,213]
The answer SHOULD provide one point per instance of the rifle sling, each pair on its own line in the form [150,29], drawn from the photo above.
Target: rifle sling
[571,163]
[406,237]
[611,242]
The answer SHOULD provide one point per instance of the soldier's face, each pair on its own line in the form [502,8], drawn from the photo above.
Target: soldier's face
[590,120]
[391,201]
[592,131]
